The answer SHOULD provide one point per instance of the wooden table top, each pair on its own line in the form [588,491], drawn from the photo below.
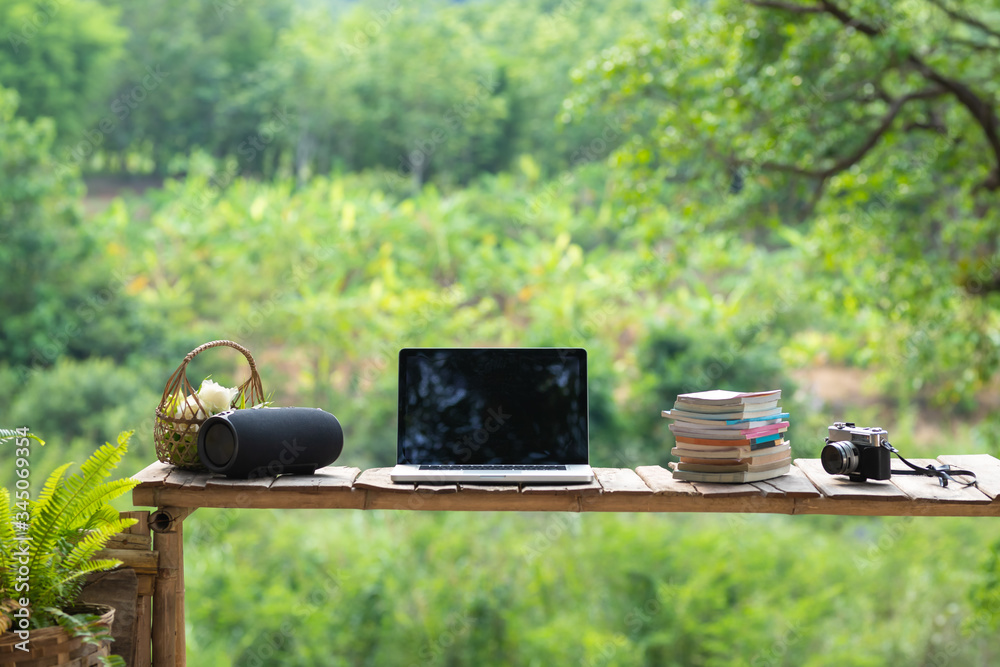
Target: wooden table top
[807,489]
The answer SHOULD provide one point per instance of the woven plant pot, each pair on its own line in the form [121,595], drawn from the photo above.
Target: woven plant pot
[176,437]
[54,646]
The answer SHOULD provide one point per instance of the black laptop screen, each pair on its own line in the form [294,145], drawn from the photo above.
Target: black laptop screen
[492,406]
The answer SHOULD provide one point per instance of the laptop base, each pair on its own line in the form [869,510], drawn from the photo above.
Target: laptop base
[572,474]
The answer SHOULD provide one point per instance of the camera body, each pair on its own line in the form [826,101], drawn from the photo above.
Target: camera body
[858,452]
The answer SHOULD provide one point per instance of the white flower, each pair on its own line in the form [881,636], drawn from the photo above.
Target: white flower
[189,410]
[215,397]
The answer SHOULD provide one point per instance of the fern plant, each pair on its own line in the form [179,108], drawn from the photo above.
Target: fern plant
[45,558]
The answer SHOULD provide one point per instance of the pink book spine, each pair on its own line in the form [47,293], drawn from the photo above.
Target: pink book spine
[764,430]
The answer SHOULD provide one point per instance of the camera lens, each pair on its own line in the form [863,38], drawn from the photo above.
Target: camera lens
[840,458]
[220,443]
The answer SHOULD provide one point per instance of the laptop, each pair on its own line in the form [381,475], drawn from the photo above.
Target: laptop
[493,416]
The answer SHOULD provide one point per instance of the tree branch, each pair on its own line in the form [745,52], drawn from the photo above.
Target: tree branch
[982,112]
[935,126]
[788,6]
[969,44]
[965,18]
[849,20]
[849,160]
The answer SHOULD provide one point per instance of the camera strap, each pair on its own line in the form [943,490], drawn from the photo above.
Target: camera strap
[943,472]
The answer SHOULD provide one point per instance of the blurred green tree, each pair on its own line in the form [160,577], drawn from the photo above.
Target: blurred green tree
[37,213]
[59,57]
[210,90]
[865,133]
[65,289]
[394,86]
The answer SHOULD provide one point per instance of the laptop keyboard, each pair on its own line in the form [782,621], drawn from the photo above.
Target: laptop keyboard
[492,467]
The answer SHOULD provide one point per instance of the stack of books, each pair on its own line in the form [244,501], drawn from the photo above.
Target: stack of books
[729,436]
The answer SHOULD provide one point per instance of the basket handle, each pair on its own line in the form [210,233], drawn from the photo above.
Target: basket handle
[253,383]
[220,343]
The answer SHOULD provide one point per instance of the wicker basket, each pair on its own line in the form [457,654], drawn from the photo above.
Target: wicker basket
[177,437]
[54,646]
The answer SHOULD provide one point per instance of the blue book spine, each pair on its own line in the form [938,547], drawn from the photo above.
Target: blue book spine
[757,419]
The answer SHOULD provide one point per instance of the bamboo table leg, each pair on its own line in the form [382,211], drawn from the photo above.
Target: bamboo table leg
[169,645]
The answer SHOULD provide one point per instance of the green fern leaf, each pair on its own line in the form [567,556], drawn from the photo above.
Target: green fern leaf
[53,484]
[9,434]
[93,542]
[99,565]
[6,544]
[58,509]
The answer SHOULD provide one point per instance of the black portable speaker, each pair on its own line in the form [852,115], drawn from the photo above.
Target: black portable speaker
[264,442]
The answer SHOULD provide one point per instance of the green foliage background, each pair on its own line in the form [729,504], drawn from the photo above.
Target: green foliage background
[702,194]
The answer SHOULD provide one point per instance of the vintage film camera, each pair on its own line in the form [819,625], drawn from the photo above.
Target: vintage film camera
[859,452]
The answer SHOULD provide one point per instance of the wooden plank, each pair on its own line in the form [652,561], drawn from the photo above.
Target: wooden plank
[141,525]
[891,507]
[622,490]
[200,480]
[337,477]
[805,489]
[382,493]
[154,474]
[473,502]
[467,488]
[986,467]
[793,484]
[256,484]
[839,487]
[378,479]
[129,541]
[437,488]
[710,490]
[147,584]
[142,656]
[118,589]
[589,488]
[662,483]
[168,603]
[180,477]
[249,498]
[621,480]
[331,478]
[928,488]
[143,562]
[768,490]
[145,496]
